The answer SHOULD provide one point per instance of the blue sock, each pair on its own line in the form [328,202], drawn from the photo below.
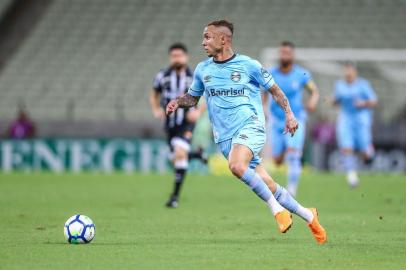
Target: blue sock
[350,162]
[294,170]
[255,182]
[285,199]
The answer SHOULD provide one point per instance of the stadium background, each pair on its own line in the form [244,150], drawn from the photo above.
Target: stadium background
[83,71]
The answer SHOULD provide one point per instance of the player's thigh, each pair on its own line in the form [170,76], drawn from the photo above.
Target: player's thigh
[363,138]
[253,137]
[296,141]
[276,141]
[345,135]
[240,154]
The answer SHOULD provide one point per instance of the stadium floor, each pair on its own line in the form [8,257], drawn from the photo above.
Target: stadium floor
[219,224]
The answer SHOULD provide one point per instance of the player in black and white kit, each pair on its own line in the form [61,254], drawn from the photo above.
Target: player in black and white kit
[170,83]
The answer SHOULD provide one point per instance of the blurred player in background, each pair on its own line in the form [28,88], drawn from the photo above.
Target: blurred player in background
[292,79]
[231,85]
[170,83]
[356,99]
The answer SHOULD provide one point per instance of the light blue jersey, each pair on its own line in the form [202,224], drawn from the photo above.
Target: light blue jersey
[354,124]
[346,94]
[292,84]
[232,92]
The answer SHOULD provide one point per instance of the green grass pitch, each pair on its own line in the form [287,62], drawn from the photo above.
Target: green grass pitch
[220,224]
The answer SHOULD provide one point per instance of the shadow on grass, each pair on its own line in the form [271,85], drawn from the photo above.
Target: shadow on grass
[193,242]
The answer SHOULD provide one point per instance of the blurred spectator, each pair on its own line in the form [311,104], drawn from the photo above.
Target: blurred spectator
[323,138]
[323,132]
[22,128]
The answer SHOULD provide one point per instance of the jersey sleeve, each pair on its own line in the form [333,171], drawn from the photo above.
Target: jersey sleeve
[156,84]
[368,92]
[307,76]
[261,75]
[196,89]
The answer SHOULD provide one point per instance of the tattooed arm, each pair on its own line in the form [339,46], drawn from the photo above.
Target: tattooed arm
[282,100]
[185,101]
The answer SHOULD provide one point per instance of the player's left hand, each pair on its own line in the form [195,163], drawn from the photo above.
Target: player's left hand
[172,106]
[291,124]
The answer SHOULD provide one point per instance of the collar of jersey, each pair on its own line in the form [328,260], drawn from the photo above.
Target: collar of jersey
[225,61]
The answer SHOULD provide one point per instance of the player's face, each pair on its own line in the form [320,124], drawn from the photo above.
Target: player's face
[212,42]
[178,58]
[350,73]
[286,55]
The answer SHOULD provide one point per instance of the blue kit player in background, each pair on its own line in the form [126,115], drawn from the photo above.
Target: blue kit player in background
[356,99]
[231,85]
[292,79]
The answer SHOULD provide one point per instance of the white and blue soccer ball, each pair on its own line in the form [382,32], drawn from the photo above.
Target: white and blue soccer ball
[79,229]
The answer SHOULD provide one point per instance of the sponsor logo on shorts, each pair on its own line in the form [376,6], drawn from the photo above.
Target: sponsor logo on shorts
[243,136]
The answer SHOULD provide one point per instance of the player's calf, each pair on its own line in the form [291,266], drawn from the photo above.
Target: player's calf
[180,164]
[239,160]
[293,160]
[350,166]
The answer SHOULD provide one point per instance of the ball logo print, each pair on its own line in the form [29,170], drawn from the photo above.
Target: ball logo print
[79,229]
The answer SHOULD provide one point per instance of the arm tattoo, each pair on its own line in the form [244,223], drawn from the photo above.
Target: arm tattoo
[280,98]
[187,101]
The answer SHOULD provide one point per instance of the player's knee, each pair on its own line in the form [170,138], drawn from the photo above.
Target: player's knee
[278,160]
[237,168]
[180,153]
[293,155]
[346,151]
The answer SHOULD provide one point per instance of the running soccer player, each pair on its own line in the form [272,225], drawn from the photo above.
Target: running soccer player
[168,84]
[356,99]
[292,79]
[231,85]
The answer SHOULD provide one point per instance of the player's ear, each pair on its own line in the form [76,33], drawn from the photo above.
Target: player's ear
[223,39]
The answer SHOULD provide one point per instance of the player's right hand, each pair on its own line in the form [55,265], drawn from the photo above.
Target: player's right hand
[172,106]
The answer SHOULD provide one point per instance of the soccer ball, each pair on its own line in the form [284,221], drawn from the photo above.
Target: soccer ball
[79,229]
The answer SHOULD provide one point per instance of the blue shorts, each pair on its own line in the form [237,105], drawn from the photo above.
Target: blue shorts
[252,135]
[357,137]
[280,142]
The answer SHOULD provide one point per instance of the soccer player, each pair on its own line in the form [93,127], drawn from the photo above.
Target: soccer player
[169,83]
[231,85]
[356,99]
[292,79]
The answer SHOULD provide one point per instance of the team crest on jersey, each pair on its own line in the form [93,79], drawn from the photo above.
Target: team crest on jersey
[265,73]
[207,78]
[235,76]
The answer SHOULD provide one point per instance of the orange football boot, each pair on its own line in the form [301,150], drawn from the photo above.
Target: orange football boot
[284,220]
[318,231]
